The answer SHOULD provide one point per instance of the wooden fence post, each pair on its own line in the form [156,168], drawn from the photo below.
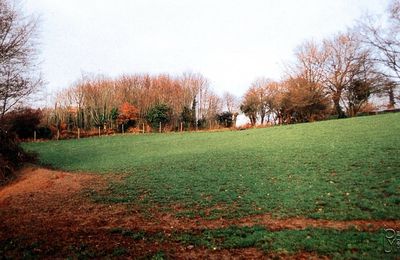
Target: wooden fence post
[143,128]
[181,127]
[34,135]
[160,128]
[79,133]
[99,131]
[58,134]
[123,129]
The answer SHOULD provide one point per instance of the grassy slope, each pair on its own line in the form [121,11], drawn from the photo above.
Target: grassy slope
[341,169]
[347,244]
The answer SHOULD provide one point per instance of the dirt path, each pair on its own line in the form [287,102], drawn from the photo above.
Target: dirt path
[48,208]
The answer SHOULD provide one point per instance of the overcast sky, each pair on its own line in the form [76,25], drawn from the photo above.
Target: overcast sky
[230,42]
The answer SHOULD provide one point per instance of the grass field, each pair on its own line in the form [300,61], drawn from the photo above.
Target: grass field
[347,169]
[335,170]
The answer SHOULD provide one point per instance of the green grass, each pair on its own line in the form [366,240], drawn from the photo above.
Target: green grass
[338,169]
[349,244]
[346,244]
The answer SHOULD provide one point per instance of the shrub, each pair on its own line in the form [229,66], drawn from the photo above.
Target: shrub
[11,156]
[202,123]
[160,113]
[188,117]
[225,119]
[44,132]
[23,122]
[127,115]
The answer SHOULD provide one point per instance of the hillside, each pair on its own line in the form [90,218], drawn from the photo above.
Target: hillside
[339,169]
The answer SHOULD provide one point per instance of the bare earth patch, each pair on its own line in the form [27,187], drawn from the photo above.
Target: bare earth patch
[47,208]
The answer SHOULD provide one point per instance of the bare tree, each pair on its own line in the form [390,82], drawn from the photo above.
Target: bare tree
[202,86]
[347,62]
[305,100]
[309,65]
[250,105]
[261,96]
[384,38]
[335,64]
[18,56]
[260,86]
[231,102]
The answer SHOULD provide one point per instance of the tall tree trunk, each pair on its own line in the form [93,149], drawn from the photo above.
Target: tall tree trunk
[3,109]
[253,120]
[392,102]
[336,103]
[262,114]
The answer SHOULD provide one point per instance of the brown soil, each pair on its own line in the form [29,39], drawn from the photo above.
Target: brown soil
[45,212]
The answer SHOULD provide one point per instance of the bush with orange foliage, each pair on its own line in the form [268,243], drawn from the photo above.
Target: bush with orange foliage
[127,112]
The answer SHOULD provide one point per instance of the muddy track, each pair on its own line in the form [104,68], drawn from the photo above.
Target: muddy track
[49,205]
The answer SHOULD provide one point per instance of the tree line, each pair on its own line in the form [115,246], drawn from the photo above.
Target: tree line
[173,102]
[19,78]
[335,77]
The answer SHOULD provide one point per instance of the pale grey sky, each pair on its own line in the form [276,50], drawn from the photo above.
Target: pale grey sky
[230,42]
